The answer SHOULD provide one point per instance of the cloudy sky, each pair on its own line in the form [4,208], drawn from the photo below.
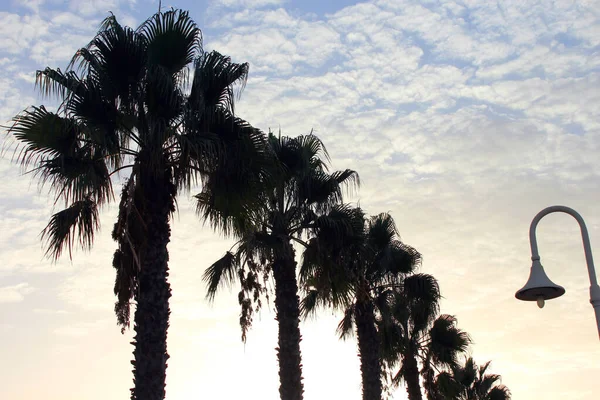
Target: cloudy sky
[464,119]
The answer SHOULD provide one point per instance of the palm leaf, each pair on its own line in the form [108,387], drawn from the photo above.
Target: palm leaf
[212,85]
[116,57]
[393,260]
[174,40]
[423,295]
[43,134]
[54,82]
[80,220]
[448,387]
[345,328]
[499,392]
[221,272]
[234,187]
[313,149]
[447,342]
[76,177]
[309,303]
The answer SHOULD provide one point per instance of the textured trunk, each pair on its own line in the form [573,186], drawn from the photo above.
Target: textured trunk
[368,347]
[152,311]
[287,305]
[429,383]
[411,376]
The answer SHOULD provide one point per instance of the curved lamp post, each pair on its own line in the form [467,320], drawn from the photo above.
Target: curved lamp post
[539,287]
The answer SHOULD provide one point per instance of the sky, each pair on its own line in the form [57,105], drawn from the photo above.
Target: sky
[463,118]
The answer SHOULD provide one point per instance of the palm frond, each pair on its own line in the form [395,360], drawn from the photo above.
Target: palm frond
[54,82]
[110,22]
[423,295]
[487,382]
[483,368]
[129,232]
[447,342]
[80,221]
[192,156]
[312,259]
[468,372]
[323,190]
[421,287]
[349,179]
[221,272]
[382,230]
[233,193]
[393,260]
[76,177]
[213,84]
[43,134]
[383,302]
[341,224]
[309,304]
[164,101]
[499,392]
[174,40]
[345,328]
[447,386]
[393,338]
[313,149]
[116,58]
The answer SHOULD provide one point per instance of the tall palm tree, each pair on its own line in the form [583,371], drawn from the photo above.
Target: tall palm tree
[412,332]
[357,273]
[470,382]
[298,204]
[152,102]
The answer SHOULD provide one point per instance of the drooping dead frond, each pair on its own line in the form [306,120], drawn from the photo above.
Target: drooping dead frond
[79,221]
[221,272]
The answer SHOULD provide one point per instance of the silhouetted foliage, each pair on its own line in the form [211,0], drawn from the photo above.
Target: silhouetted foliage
[357,272]
[298,202]
[470,382]
[152,102]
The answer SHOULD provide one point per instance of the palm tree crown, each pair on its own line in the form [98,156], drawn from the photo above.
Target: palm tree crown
[470,382]
[152,102]
[413,332]
[356,273]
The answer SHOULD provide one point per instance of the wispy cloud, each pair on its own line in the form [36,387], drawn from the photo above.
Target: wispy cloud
[15,293]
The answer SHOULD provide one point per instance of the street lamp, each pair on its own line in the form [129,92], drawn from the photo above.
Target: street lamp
[539,287]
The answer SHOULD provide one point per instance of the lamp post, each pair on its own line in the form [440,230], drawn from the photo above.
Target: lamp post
[539,287]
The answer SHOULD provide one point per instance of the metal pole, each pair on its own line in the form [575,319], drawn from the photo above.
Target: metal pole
[594,288]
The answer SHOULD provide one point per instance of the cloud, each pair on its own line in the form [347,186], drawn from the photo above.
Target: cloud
[291,44]
[94,7]
[15,293]
[246,4]
[33,5]
[464,119]
[19,32]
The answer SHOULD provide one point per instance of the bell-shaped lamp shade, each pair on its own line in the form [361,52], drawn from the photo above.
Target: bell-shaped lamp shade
[539,287]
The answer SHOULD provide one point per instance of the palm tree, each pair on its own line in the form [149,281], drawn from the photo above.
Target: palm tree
[152,102]
[357,273]
[299,203]
[470,382]
[410,333]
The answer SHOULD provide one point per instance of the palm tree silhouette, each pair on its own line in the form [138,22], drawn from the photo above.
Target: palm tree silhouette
[149,101]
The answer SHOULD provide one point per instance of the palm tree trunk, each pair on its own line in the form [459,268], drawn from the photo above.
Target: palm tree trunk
[411,376]
[152,311]
[429,384]
[287,305]
[368,351]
